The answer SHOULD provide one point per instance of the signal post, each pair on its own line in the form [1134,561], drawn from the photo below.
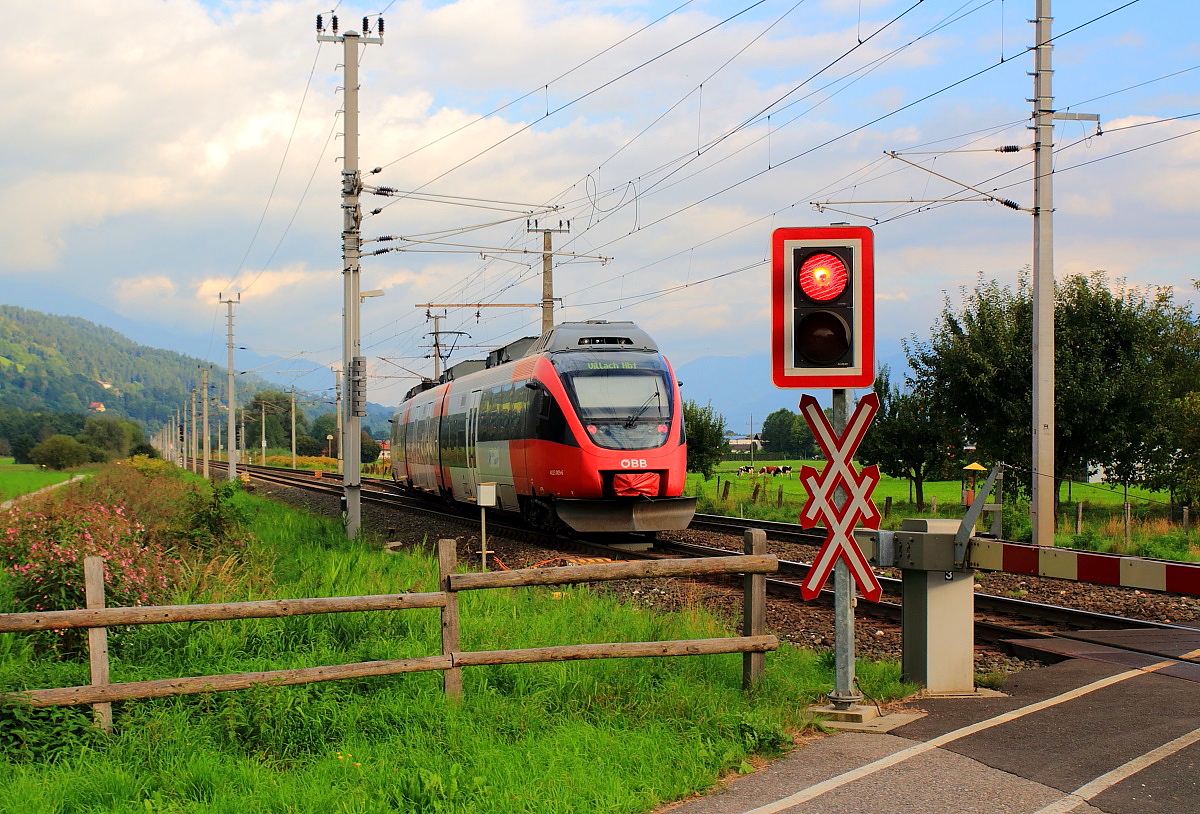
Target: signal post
[823,335]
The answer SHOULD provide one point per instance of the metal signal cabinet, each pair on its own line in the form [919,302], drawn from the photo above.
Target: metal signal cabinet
[823,307]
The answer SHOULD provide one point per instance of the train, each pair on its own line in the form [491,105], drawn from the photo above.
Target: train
[579,429]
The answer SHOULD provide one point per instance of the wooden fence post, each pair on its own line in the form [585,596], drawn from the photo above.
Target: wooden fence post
[933,504]
[1185,519]
[754,494]
[447,561]
[93,586]
[779,499]
[754,608]
[725,491]
[887,507]
[1079,517]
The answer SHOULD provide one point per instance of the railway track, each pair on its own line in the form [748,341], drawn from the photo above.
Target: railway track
[997,617]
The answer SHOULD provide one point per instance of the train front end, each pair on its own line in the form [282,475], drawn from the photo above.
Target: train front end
[624,461]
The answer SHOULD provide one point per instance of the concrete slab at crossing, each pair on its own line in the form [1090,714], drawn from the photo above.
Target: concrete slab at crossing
[1080,736]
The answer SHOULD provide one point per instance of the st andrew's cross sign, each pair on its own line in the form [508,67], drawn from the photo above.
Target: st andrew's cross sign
[840,497]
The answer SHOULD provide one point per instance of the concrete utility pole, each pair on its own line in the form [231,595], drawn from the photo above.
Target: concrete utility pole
[337,399]
[193,451]
[1044,483]
[293,428]
[206,444]
[230,401]
[547,270]
[355,404]
[1042,505]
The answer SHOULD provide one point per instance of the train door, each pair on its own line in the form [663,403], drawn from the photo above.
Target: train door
[472,443]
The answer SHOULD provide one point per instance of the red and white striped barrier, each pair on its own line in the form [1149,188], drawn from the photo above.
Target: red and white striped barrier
[1084,566]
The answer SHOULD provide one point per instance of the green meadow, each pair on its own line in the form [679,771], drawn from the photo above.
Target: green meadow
[1155,528]
[21,479]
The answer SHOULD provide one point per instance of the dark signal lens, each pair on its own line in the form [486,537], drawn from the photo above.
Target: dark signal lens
[822,338]
[822,277]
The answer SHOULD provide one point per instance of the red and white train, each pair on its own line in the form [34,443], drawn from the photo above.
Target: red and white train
[581,427]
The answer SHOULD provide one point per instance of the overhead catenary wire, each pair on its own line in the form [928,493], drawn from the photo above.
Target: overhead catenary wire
[652,223]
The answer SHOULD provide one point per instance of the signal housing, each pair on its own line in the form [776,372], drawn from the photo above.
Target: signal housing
[822,336]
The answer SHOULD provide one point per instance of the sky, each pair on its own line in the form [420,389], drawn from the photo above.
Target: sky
[158,157]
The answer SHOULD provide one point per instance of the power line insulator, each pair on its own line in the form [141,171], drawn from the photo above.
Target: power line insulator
[381,26]
[320,24]
[333,22]
[366,26]
[1008,148]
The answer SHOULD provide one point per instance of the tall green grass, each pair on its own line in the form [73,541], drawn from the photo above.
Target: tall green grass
[619,735]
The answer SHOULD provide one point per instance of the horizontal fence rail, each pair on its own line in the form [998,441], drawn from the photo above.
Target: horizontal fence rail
[100,693]
[262,609]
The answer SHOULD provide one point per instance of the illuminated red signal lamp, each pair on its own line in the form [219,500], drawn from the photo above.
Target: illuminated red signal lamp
[823,309]
[822,276]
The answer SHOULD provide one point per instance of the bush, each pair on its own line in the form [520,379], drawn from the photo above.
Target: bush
[212,520]
[59,452]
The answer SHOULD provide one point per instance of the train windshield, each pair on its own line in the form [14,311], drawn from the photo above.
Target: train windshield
[623,399]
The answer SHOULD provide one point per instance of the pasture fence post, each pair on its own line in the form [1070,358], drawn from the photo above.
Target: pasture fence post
[779,498]
[725,491]
[1079,517]
[933,504]
[1128,520]
[93,587]
[887,507]
[754,608]
[754,496]
[1185,519]
[447,561]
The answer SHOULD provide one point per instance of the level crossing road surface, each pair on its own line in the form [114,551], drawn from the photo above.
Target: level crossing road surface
[1081,736]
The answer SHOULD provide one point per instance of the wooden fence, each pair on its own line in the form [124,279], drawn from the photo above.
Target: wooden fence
[97,618]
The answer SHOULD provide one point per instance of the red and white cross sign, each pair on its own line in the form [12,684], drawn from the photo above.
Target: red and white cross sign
[855,507]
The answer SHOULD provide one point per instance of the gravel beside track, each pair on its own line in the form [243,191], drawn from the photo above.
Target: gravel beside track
[807,624]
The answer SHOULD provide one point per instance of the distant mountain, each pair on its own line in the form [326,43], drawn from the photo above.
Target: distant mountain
[70,365]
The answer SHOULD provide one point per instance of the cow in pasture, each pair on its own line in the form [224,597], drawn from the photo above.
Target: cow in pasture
[745,470]
[784,470]
[769,470]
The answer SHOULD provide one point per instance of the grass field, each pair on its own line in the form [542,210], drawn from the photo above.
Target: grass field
[619,735]
[21,479]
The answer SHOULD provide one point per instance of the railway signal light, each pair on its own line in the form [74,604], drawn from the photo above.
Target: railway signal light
[823,307]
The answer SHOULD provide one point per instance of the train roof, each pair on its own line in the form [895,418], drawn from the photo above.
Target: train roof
[593,334]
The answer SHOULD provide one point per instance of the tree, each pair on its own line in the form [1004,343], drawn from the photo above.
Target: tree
[910,436]
[706,444]
[277,408]
[779,434]
[369,449]
[308,446]
[112,436]
[59,452]
[1122,358]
